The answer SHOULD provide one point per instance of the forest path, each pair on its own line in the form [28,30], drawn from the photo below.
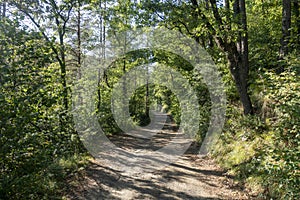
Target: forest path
[190,177]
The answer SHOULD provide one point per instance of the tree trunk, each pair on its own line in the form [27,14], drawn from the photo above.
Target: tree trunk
[236,53]
[244,51]
[286,25]
[99,90]
[147,106]
[297,17]
[79,35]
[63,70]
[239,60]
[3,9]
[78,53]
[237,56]
[102,50]
[236,66]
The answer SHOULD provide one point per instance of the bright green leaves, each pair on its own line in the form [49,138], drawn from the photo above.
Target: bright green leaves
[265,147]
[264,25]
[30,104]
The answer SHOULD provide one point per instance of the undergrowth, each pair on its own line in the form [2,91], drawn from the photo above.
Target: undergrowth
[47,182]
[263,150]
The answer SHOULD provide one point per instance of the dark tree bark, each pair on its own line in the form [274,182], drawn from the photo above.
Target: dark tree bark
[296,10]
[79,34]
[239,71]
[101,56]
[3,9]
[238,56]
[286,25]
[102,34]
[236,53]
[147,106]
[243,52]
[78,52]
[61,33]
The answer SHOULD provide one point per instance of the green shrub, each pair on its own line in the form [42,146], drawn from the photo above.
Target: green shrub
[265,148]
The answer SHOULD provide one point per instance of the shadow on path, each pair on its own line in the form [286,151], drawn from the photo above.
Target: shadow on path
[191,177]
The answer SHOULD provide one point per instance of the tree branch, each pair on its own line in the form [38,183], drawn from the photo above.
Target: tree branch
[19,6]
[216,13]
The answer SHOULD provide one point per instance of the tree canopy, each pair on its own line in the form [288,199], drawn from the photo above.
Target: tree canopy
[46,44]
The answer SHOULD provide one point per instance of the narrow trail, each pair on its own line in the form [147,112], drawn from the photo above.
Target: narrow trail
[190,177]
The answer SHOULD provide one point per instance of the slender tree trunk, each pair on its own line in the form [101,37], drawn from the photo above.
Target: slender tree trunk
[64,84]
[297,17]
[79,35]
[239,60]
[102,49]
[78,53]
[3,9]
[147,106]
[244,51]
[99,90]
[63,70]
[63,76]
[125,81]
[286,25]
[125,103]
[238,56]
[62,62]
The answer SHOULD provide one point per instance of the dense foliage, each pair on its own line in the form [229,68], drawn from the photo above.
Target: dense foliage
[264,149]
[34,137]
[43,45]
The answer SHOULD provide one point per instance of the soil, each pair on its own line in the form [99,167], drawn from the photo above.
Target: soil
[190,177]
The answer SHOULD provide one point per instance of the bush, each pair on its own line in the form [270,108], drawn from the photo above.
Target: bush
[265,148]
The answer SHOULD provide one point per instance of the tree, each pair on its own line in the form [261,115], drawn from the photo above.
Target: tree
[2,9]
[286,26]
[233,42]
[296,10]
[42,14]
[213,25]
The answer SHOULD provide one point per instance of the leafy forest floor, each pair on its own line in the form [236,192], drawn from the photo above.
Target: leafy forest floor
[191,177]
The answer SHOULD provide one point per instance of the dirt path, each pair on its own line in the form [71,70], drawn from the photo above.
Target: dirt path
[191,177]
